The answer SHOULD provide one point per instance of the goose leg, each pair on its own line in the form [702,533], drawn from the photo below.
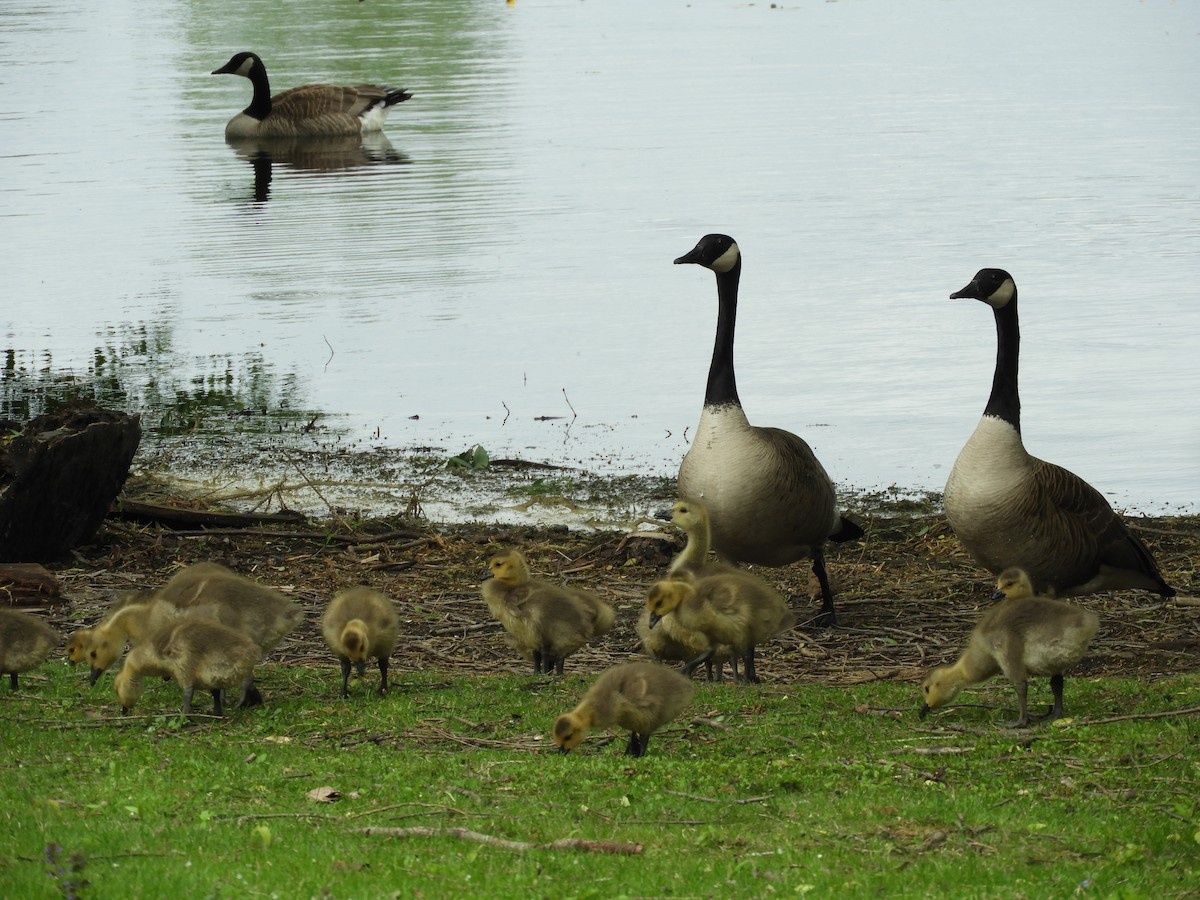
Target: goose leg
[12,680]
[218,710]
[251,697]
[695,663]
[751,677]
[187,700]
[345,661]
[1056,710]
[558,664]
[383,667]
[827,618]
[537,662]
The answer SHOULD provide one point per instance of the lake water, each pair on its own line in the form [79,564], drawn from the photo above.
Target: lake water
[498,269]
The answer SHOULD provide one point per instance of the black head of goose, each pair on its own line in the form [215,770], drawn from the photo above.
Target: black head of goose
[311,110]
[769,499]
[1012,509]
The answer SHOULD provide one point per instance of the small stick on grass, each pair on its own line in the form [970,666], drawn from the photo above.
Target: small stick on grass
[466,834]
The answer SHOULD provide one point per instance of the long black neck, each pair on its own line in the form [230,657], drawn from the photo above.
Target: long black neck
[722,385]
[1004,402]
[260,104]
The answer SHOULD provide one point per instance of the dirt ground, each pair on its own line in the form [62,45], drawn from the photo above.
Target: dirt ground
[907,594]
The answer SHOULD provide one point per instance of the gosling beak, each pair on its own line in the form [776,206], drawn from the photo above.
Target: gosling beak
[94,675]
[655,618]
[664,515]
[564,750]
[997,595]
[361,666]
[923,711]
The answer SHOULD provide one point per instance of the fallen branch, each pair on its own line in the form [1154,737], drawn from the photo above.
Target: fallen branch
[466,834]
[1190,711]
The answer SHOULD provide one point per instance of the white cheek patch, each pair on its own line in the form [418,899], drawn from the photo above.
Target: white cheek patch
[726,260]
[245,67]
[1002,294]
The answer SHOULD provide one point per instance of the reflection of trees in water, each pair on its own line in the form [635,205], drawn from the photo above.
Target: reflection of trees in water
[138,371]
[315,156]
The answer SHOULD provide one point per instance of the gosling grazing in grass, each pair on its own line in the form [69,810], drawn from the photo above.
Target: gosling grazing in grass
[640,696]
[312,110]
[25,642]
[736,609]
[771,501]
[1012,509]
[103,645]
[197,653]
[360,624]
[1021,636]
[545,622]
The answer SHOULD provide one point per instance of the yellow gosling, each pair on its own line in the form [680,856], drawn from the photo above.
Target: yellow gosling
[25,642]
[545,622]
[361,624]
[1020,637]
[639,696]
[733,608]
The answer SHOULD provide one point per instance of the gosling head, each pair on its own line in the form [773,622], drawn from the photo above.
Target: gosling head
[939,688]
[129,689]
[106,648]
[78,645]
[569,731]
[355,641]
[718,252]
[1013,584]
[665,596]
[509,568]
[689,514]
[995,287]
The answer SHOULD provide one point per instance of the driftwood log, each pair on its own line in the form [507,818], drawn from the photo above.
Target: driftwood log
[59,477]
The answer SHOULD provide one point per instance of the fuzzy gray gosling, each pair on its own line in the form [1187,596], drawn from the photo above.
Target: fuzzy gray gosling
[360,624]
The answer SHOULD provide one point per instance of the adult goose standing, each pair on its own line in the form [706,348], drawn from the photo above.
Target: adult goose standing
[311,110]
[769,499]
[1012,509]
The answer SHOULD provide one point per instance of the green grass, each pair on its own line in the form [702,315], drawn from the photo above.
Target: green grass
[776,789]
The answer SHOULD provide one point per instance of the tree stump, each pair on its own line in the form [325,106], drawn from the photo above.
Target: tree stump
[59,477]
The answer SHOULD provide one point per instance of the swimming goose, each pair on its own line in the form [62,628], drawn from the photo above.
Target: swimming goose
[1012,509]
[545,622]
[770,500]
[197,653]
[1022,636]
[361,623]
[312,110]
[640,696]
[735,609]
[25,642]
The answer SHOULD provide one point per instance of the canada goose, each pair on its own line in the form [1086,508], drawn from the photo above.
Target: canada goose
[132,623]
[640,696]
[25,642]
[770,500]
[314,110]
[197,653]
[77,645]
[546,622]
[1012,509]
[360,623]
[733,608]
[1020,637]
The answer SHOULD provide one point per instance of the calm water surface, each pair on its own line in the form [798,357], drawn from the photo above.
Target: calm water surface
[504,253]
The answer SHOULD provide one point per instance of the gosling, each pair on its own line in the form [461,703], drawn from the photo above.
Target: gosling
[691,516]
[670,641]
[25,642]
[360,623]
[1022,636]
[1013,583]
[733,608]
[640,696]
[545,622]
[197,653]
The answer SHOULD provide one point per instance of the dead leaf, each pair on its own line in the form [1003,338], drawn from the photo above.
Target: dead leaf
[324,794]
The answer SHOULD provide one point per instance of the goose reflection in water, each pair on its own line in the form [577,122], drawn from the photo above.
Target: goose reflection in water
[315,156]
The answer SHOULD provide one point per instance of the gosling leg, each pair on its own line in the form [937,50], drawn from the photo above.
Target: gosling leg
[12,680]
[751,675]
[1056,710]
[1022,705]
[383,667]
[345,661]
[218,709]
[187,700]
[695,663]
[637,744]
